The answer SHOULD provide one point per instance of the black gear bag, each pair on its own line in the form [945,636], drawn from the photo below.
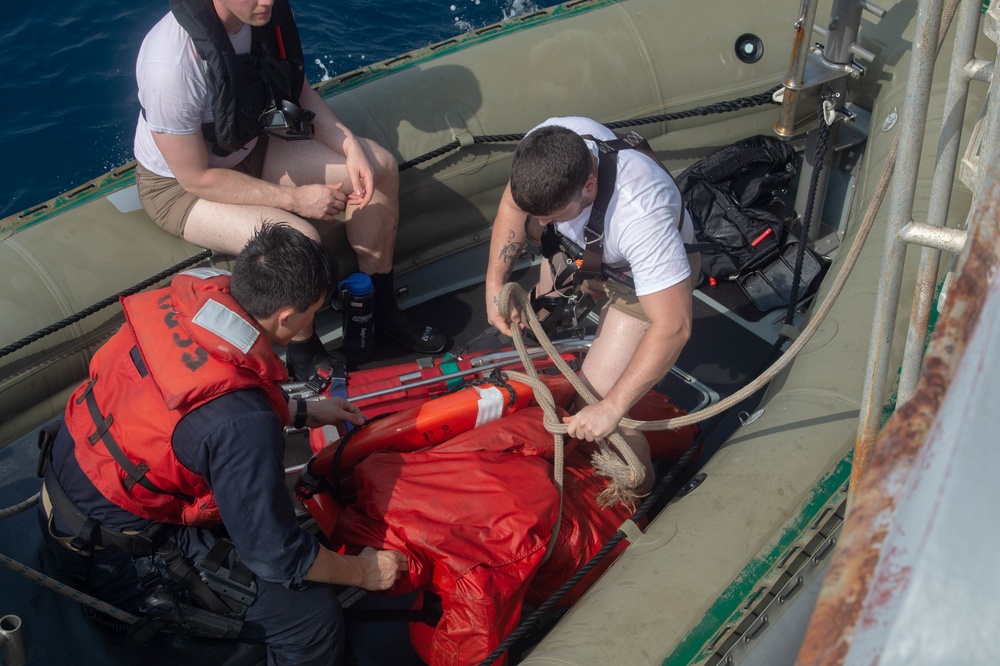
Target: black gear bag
[735,197]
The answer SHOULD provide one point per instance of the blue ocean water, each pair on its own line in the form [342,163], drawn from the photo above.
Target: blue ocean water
[68,84]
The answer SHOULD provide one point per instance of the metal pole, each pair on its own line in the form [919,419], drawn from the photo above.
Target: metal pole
[845,20]
[912,124]
[801,45]
[12,640]
[963,53]
[841,32]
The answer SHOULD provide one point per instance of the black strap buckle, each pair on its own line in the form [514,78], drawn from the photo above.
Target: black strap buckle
[149,575]
[326,371]
[308,485]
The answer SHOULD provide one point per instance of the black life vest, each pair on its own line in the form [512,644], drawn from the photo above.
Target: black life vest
[243,86]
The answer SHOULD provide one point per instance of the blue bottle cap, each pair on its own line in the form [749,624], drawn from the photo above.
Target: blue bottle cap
[359,284]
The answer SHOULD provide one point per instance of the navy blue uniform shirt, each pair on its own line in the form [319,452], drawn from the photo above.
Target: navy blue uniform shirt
[237,443]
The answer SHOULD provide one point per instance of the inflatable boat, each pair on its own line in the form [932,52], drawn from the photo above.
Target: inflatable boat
[843,437]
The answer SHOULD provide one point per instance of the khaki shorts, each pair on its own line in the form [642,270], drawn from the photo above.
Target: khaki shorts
[168,204]
[624,299]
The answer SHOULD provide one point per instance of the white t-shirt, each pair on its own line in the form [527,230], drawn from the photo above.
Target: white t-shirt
[173,93]
[640,227]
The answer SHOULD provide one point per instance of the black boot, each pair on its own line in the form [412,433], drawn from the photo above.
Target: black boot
[303,357]
[393,323]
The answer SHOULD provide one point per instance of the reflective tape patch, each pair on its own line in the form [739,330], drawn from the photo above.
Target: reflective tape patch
[234,329]
[205,272]
[490,406]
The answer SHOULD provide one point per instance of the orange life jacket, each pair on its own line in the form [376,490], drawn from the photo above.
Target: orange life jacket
[180,347]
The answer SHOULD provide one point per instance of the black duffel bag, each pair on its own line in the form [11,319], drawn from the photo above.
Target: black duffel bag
[735,197]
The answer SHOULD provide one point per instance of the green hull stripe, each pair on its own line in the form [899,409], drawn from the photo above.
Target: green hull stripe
[694,646]
[98,188]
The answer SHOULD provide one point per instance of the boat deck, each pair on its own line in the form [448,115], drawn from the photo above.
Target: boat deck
[724,352]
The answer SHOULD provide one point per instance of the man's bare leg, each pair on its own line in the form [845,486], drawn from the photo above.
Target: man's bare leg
[617,337]
[371,231]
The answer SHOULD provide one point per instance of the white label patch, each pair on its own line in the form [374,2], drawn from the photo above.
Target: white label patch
[126,200]
[217,318]
[205,272]
[490,406]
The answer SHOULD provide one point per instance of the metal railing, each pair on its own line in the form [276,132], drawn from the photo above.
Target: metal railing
[932,234]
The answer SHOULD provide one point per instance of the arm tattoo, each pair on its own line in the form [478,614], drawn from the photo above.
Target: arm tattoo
[511,252]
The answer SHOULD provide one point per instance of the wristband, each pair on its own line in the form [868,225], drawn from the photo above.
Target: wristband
[300,414]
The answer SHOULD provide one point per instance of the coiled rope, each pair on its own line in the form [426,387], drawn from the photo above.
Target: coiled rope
[512,290]
[626,473]
[543,611]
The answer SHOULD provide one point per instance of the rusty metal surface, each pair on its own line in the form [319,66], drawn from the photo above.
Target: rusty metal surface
[848,587]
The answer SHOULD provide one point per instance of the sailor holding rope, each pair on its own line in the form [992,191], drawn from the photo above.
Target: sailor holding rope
[556,182]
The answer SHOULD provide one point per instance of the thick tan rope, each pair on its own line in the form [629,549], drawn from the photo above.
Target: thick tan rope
[625,471]
[624,490]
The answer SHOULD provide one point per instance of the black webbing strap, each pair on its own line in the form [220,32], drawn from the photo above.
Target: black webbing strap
[181,571]
[216,557]
[593,234]
[430,612]
[141,544]
[428,617]
[607,175]
[83,543]
[135,473]
[46,438]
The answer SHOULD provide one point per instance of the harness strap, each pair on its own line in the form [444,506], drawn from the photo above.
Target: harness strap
[46,438]
[593,234]
[181,571]
[142,543]
[216,557]
[136,474]
[83,543]
[607,175]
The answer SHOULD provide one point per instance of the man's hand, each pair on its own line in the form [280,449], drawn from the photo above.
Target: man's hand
[380,568]
[318,201]
[493,314]
[331,410]
[360,171]
[593,422]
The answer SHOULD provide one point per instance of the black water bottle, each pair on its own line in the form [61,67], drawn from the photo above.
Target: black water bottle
[358,296]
